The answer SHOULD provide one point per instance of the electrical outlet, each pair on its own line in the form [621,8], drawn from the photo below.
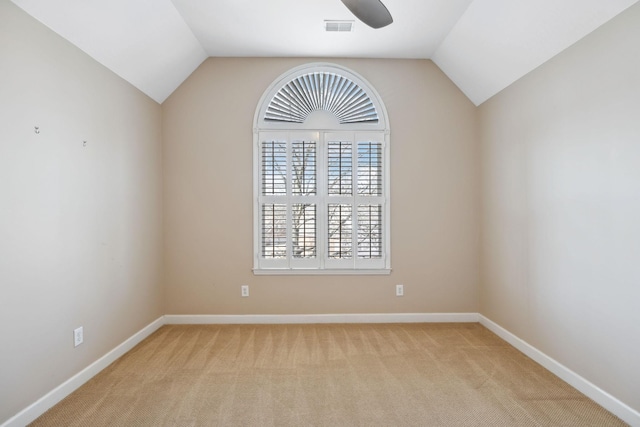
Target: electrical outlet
[399,290]
[245,290]
[78,336]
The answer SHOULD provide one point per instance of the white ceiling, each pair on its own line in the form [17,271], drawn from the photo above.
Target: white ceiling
[482,45]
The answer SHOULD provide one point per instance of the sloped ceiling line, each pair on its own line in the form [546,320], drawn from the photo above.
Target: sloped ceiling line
[481,45]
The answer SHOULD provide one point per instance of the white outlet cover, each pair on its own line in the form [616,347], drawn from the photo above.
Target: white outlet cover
[78,336]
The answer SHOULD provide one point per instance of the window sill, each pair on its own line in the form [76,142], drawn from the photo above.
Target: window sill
[318,272]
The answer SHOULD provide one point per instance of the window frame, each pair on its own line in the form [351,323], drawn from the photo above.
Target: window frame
[320,127]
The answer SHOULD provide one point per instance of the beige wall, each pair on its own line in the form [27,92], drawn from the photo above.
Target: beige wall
[207,132]
[561,217]
[80,227]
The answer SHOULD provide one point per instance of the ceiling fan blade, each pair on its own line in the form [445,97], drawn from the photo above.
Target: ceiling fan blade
[371,12]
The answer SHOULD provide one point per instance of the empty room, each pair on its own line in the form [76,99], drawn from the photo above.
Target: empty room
[323,213]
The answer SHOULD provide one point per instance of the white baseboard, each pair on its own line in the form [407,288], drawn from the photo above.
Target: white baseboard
[615,406]
[178,319]
[604,399]
[43,404]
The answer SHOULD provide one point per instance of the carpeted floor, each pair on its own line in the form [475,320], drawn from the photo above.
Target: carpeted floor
[326,375]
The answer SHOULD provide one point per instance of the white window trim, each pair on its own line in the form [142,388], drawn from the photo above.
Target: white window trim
[320,272]
[378,131]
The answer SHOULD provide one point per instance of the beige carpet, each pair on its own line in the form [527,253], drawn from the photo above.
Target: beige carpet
[326,375]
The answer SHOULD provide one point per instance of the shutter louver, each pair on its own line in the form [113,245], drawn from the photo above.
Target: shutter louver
[339,174]
[369,231]
[340,229]
[274,168]
[370,168]
[274,230]
[297,99]
[304,230]
[303,159]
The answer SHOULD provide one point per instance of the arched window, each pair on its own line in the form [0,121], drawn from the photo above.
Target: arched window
[321,175]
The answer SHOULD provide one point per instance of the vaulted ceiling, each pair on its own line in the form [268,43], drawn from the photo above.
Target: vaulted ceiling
[482,45]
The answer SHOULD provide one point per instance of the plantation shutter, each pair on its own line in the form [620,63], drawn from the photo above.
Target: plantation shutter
[355,200]
[321,175]
[322,211]
[273,200]
[303,211]
[370,189]
[288,200]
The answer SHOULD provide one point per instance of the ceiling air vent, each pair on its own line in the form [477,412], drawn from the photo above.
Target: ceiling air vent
[338,26]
